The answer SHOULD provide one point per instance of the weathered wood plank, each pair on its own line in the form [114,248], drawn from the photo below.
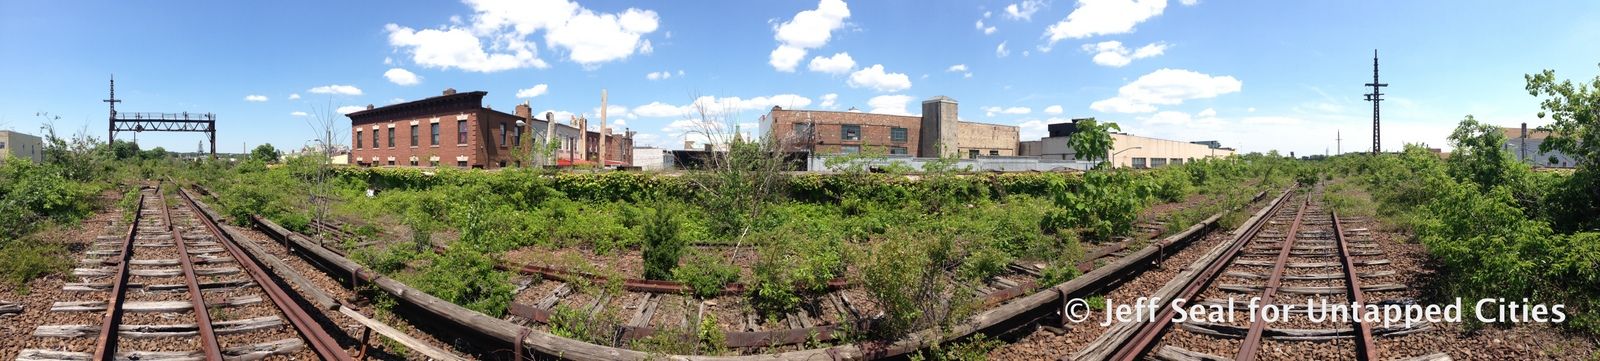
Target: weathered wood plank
[1174,353]
[401,337]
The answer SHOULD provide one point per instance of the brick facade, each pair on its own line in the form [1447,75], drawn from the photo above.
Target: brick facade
[490,141]
[921,133]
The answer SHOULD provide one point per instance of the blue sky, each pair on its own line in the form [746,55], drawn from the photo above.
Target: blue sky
[1256,75]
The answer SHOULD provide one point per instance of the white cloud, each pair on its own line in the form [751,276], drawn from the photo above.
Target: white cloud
[535,91]
[646,48]
[336,89]
[986,29]
[1166,87]
[613,112]
[658,75]
[1104,17]
[890,104]
[721,106]
[991,111]
[1034,129]
[1053,110]
[1208,113]
[1272,120]
[1113,54]
[829,100]
[459,48]
[1000,51]
[1169,118]
[958,68]
[839,63]
[808,29]
[397,100]
[1024,10]
[298,114]
[1189,2]
[255,98]
[587,37]
[874,77]
[1251,110]
[294,96]
[350,109]
[402,77]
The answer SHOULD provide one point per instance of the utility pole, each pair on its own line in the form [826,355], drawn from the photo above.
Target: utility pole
[1375,96]
[111,129]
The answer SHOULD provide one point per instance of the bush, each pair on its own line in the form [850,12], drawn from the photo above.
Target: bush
[791,265]
[706,274]
[465,277]
[24,260]
[662,246]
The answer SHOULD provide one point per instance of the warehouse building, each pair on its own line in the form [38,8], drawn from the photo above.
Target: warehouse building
[1127,150]
[18,145]
[1523,143]
[939,127]
[456,130]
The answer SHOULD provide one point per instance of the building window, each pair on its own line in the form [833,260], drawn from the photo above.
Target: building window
[391,162]
[461,163]
[358,141]
[1157,162]
[802,129]
[1178,161]
[391,139]
[413,162]
[972,153]
[850,132]
[1138,163]
[516,138]
[433,163]
[433,136]
[374,140]
[898,134]
[502,164]
[898,151]
[850,149]
[502,134]
[994,152]
[461,132]
[413,137]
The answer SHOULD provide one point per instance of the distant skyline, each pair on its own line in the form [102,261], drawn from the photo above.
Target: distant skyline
[1254,75]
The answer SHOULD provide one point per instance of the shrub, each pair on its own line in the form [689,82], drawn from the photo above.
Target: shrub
[791,265]
[467,278]
[662,246]
[23,261]
[706,274]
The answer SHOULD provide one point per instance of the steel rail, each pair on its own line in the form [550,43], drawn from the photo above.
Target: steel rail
[1252,341]
[106,345]
[1366,346]
[317,338]
[202,317]
[1147,334]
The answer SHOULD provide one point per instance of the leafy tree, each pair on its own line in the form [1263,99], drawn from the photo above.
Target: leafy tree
[1479,156]
[124,149]
[1093,139]
[265,153]
[156,153]
[1574,110]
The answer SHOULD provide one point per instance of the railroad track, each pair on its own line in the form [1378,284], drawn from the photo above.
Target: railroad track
[1301,260]
[171,286]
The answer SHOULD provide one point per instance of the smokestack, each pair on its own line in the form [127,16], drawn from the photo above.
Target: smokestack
[604,133]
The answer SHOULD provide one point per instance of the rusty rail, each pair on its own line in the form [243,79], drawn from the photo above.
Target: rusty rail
[318,339]
[1149,332]
[1366,346]
[202,317]
[106,345]
[1252,341]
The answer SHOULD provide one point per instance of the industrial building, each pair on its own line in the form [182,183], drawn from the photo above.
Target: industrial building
[18,145]
[939,127]
[1523,143]
[1127,150]
[457,130]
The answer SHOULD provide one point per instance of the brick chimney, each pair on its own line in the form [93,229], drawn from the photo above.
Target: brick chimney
[524,111]
[369,107]
[449,91]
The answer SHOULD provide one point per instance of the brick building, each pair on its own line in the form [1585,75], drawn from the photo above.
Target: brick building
[939,127]
[456,130]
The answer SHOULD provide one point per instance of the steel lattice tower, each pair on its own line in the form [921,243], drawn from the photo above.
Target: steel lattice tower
[1375,96]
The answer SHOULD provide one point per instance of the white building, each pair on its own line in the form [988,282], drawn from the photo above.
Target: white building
[1127,150]
[1523,143]
[18,145]
[650,158]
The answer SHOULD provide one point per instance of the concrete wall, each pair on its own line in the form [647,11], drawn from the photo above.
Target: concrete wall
[987,139]
[940,116]
[650,158]
[18,145]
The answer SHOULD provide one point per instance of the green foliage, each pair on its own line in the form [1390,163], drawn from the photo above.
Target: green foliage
[31,193]
[265,153]
[1104,206]
[464,277]
[791,265]
[24,260]
[974,348]
[662,246]
[1092,140]
[706,274]
[1171,184]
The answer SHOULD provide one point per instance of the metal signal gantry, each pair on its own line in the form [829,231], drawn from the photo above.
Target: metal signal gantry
[159,122]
